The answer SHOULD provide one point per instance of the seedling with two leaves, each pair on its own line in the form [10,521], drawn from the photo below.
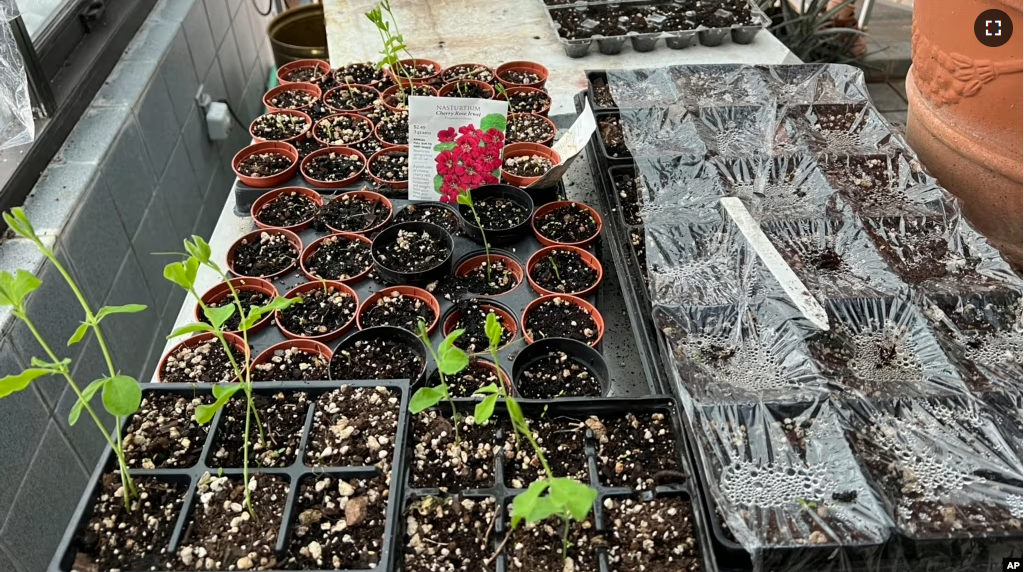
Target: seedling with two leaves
[450,360]
[394,43]
[466,199]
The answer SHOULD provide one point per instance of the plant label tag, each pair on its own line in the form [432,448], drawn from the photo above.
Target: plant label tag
[569,146]
[454,145]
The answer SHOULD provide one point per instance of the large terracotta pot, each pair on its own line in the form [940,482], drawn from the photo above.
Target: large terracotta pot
[964,116]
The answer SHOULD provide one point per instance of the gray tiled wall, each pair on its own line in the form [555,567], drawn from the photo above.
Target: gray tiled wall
[136,176]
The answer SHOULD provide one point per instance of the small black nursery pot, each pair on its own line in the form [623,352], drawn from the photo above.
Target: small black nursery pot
[383,352]
[413,253]
[504,211]
[539,372]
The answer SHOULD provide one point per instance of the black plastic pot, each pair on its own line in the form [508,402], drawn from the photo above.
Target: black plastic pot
[434,204]
[389,333]
[390,234]
[497,237]
[578,352]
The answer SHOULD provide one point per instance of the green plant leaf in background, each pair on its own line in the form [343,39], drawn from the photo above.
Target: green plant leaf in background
[14,289]
[19,381]
[121,395]
[87,394]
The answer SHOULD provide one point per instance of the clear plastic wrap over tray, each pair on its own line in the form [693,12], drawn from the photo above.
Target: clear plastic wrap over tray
[18,127]
[924,345]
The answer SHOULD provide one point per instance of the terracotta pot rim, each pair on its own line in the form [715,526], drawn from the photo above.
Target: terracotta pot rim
[475,257]
[452,85]
[313,246]
[522,88]
[396,149]
[397,78]
[554,129]
[214,294]
[451,318]
[303,63]
[236,341]
[526,65]
[332,184]
[410,291]
[595,314]
[322,350]
[292,238]
[312,128]
[338,110]
[268,197]
[392,89]
[520,149]
[546,208]
[278,147]
[376,197]
[315,284]
[588,258]
[293,112]
[303,86]
[453,66]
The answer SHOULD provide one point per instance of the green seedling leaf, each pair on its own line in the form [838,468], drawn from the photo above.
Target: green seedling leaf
[183,273]
[465,199]
[190,329]
[80,332]
[87,394]
[256,314]
[125,309]
[219,315]
[452,360]
[14,289]
[425,398]
[483,410]
[448,342]
[198,248]
[18,382]
[493,330]
[576,497]
[515,414]
[122,395]
[523,505]
[18,221]
[487,389]
[493,121]
[224,392]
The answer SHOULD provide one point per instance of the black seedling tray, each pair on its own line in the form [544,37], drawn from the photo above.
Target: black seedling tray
[576,409]
[294,474]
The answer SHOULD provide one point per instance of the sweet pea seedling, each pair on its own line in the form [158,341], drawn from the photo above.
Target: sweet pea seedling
[450,360]
[465,198]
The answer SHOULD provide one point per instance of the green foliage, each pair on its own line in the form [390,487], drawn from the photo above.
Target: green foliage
[19,381]
[493,121]
[190,329]
[14,289]
[811,33]
[88,393]
[493,330]
[222,394]
[450,360]
[427,397]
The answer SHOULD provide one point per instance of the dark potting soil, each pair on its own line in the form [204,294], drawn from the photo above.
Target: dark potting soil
[639,243]
[368,147]
[351,213]
[270,255]
[617,20]
[320,312]
[500,280]
[564,272]
[877,363]
[467,71]
[564,444]
[282,415]
[567,224]
[520,77]
[529,102]
[636,451]
[206,362]
[221,535]
[293,99]
[292,364]
[870,183]
[120,539]
[279,126]
[310,74]
[558,375]
[398,310]
[250,299]
[164,432]
[441,216]
[392,167]
[469,90]
[603,94]
[538,546]
[653,536]
[528,128]
[351,98]
[472,317]
[354,427]
[287,209]
[467,381]
[342,129]
[306,145]
[627,186]
[921,249]
[836,118]
[399,98]
[414,252]
[376,359]
[612,137]
[394,128]
[338,258]
[333,167]
[415,71]
[264,164]
[340,525]
[528,165]
[436,524]
[438,462]
[361,74]
[496,213]
[560,318]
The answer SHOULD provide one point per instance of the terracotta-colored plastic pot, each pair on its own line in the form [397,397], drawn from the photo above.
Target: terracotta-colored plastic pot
[545,209]
[375,197]
[384,142]
[384,95]
[317,285]
[267,198]
[278,179]
[588,259]
[398,78]
[547,142]
[487,364]
[305,345]
[409,291]
[598,319]
[305,87]
[374,83]
[221,292]
[449,74]
[522,66]
[508,321]
[355,116]
[294,112]
[453,86]
[236,342]
[332,184]
[520,149]
[514,90]
[473,262]
[284,71]
[396,150]
[312,248]
[330,92]
[255,236]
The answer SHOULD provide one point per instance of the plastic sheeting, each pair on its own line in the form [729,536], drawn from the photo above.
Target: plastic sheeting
[890,441]
[16,124]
